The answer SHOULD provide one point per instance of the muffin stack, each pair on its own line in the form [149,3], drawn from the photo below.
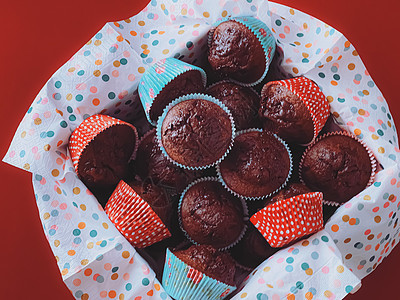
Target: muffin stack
[216,171]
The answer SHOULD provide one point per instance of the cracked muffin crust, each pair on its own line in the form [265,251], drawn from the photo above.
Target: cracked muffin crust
[338,166]
[208,260]
[196,132]
[211,215]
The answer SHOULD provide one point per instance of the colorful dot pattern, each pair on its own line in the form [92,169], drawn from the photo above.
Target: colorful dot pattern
[299,272]
[134,217]
[312,97]
[285,221]
[102,78]
[88,130]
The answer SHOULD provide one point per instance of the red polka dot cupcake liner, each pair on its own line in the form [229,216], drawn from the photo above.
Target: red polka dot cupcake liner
[312,97]
[288,220]
[343,133]
[89,129]
[134,218]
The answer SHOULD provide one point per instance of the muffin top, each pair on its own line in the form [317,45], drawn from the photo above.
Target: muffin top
[196,132]
[104,161]
[291,190]
[339,166]
[236,52]
[151,163]
[211,215]
[242,102]
[257,165]
[208,260]
[285,114]
[188,82]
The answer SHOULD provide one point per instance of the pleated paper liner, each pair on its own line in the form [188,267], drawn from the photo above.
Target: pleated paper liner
[160,75]
[185,98]
[89,129]
[288,220]
[221,179]
[244,206]
[182,282]
[312,97]
[343,133]
[134,218]
[262,33]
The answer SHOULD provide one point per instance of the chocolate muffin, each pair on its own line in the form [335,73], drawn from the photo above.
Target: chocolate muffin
[291,190]
[185,83]
[156,197]
[242,102]
[196,132]
[337,165]
[211,215]
[257,165]
[208,260]
[284,113]
[253,249]
[234,51]
[104,161]
[151,163]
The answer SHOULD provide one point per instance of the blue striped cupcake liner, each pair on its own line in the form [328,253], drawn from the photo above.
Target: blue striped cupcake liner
[158,76]
[244,206]
[185,98]
[263,34]
[182,282]
[219,174]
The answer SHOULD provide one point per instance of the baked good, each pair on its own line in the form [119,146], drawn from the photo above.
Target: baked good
[165,81]
[258,165]
[285,114]
[211,215]
[338,165]
[241,48]
[101,147]
[208,260]
[242,102]
[291,190]
[196,131]
[252,249]
[151,163]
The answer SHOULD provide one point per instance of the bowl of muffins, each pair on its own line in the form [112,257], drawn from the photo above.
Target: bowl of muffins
[217,149]
[215,161]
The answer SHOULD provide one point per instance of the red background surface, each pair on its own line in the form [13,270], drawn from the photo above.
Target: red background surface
[40,36]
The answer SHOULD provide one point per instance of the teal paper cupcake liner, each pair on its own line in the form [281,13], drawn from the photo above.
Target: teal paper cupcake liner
[185,98]
[263,34]
[158,76]
[270,194]
[183,282]
[244,205]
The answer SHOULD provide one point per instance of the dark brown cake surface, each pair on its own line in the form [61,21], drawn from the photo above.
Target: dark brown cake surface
[196,132]
[338,166]
[185,83]
[285,114]
[150,163]
[257,164]
[211,215]
[253,249]
[208,260]
[236,52]
[291,190]
[104,161]
[242,102]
